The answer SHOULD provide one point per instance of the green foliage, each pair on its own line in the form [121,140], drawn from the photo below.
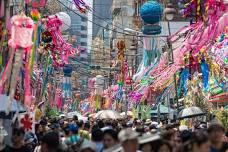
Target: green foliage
[222,115]
[51,112]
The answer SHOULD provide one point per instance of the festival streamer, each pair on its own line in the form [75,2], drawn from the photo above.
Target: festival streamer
[60,45]
[205,72]
[81,5]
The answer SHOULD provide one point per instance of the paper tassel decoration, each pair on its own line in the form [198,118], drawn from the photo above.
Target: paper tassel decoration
[67,93]
[36,3]
[60,46]
[81,5]
[2,8]
[21,41]
[205,71]
[58,98]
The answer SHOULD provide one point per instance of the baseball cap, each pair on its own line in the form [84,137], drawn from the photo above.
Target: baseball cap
[127,134]
[73,127]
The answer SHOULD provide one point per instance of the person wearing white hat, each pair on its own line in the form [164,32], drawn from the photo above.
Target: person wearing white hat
[88,146]
[183,128]
[129,140]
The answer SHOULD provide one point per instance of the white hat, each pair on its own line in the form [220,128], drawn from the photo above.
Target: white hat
[127,134]
[88,145]
[183,127]
[146,138]
[148,122]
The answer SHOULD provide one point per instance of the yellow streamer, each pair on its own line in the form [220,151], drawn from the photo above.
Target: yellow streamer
[32,53]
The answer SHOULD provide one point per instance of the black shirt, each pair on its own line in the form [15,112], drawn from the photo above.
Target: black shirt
[11,149]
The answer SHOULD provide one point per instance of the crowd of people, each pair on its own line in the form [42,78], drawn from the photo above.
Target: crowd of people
[73,135]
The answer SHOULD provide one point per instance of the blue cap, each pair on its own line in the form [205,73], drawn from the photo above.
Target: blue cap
[73,127]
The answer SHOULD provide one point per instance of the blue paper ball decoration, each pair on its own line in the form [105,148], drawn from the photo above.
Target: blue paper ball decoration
[67,70]
[151,12]
[151,29]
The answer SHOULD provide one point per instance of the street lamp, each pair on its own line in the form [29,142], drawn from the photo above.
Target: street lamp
[169,13]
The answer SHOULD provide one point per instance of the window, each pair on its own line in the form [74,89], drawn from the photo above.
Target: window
[83,44]
[83,36]
[84,19]
[82,59]
[83,28]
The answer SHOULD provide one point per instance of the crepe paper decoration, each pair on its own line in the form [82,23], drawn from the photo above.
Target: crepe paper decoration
[178,53]
[22,30]
[32,53]
[27,122]
[198,9]
[81,6]
[205,72]
[21,40]
[35,15]
[226,59]
[216,91]
[2,8]
[17,92]
[67,93]
[147,8]
[46,37]
[6,71]
[136,96]
[36,3]
[189,7]
[183,81]
[151,29]
[66,20]
[151,50]
[119,93]
[53,26]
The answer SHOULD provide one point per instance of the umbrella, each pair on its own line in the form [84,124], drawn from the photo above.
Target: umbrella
[129,114]
[75,113]
[190,112]
[92,115]
[16,106]
[108,114]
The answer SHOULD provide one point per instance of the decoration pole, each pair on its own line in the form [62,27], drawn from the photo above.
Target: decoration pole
[172,61]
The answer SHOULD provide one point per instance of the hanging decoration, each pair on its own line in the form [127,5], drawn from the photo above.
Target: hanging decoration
[81,6]
[58,98]
[21,42]
[27,122]
[198,59]
[121,47]
[67,92]
[147,8]
[35,15]
[36,3]
[59,46]
[2,9]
